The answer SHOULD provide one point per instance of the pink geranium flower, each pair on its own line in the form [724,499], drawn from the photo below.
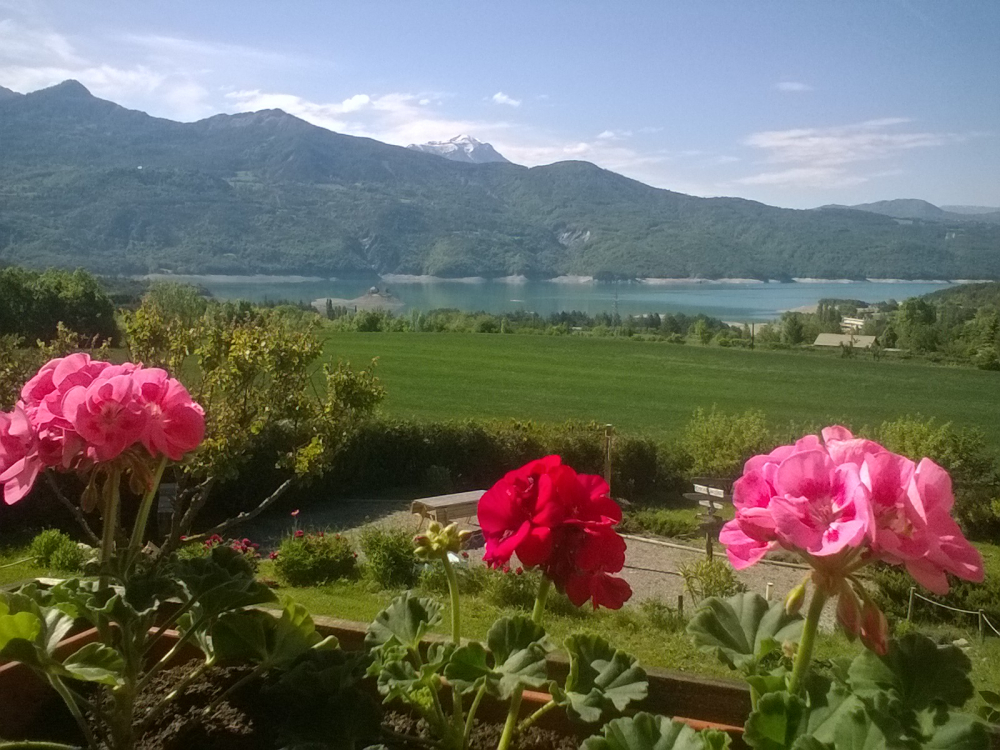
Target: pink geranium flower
[819,508]
[176,424]
[19,463]
[107,415]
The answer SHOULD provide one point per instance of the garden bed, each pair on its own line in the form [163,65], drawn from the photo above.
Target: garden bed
[243,724]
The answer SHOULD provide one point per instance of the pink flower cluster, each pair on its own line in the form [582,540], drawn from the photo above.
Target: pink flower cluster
[77,412]
[843,502]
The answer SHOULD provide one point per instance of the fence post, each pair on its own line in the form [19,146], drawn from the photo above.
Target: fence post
[909,607]
[768,590]
[680,605]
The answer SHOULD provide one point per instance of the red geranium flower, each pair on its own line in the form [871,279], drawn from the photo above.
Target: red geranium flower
[561,522]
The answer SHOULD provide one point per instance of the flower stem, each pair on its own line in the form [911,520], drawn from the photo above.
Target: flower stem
[543,594]
[471,717]
[804,656]
[536,716]
[456,614]
[510,727]
[112,496]
[142,518]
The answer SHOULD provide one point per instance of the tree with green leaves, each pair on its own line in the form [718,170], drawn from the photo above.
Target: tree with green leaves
[257,373]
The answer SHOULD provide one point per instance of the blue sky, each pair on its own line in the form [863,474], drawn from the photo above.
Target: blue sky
[790,103]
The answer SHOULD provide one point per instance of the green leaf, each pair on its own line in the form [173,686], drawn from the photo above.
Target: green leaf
[261,638]
[647,732]
[743,629]
[518,648]
[916,672]
[221,582]
[600,678]
[95,662]
[405,621]
[469,669]
[518,645]
[776,722]
[24,626]
[511,634]
[949,730]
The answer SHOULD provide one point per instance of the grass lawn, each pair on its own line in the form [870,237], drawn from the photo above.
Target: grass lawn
[653,388]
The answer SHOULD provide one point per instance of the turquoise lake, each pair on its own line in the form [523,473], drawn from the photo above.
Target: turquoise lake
[728,300]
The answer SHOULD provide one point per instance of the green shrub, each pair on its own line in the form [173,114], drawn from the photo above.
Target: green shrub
[248,549]
[513,588]
[471,578]
[388,453]
[707,578]
[676,524]
[389,560]
[662,616]
[54,549]
[719,443]
[891,591]
[964,453]
[311,559]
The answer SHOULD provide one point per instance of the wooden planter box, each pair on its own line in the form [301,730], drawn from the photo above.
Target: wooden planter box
[698,701]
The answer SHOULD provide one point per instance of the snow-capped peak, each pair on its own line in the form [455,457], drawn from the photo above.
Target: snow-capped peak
[461,148]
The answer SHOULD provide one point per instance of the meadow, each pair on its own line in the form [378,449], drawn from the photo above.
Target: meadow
[653,387]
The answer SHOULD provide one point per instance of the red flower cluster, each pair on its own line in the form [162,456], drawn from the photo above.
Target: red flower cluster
[562,523]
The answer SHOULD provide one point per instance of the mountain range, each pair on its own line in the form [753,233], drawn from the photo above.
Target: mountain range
[86,182]
[914,208]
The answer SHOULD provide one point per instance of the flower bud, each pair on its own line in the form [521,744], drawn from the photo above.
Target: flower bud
[434,527]
[849,613]
[795,598]
[421,540]
[874,628]
[422,551]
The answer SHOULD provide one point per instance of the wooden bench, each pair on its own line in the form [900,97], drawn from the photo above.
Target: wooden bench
[447,508]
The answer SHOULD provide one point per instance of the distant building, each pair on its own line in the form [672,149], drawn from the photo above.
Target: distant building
[851,325]
[845,339]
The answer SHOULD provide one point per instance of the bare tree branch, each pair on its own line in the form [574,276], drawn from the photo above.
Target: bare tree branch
[246,515]
[181,520]
[74,510]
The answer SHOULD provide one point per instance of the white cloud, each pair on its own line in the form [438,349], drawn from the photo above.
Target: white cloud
[501,98]
[794,87]
[859,142]
[835,157]
[805,177]
[614,135]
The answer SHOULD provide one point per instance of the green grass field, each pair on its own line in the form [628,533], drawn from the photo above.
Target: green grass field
[653,388]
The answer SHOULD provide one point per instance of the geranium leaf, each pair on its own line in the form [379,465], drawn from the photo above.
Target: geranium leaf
[742,629]
[221,582]
[259,637]
[469,668]
[647,732]
[950,730]
[776,722]
[518,646]
[916,672]
[405,621]
[600,678]
[95,662]
[510,634]
[25,626]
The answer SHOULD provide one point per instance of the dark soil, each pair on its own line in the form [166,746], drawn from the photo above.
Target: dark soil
[484,736]
[247,721]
